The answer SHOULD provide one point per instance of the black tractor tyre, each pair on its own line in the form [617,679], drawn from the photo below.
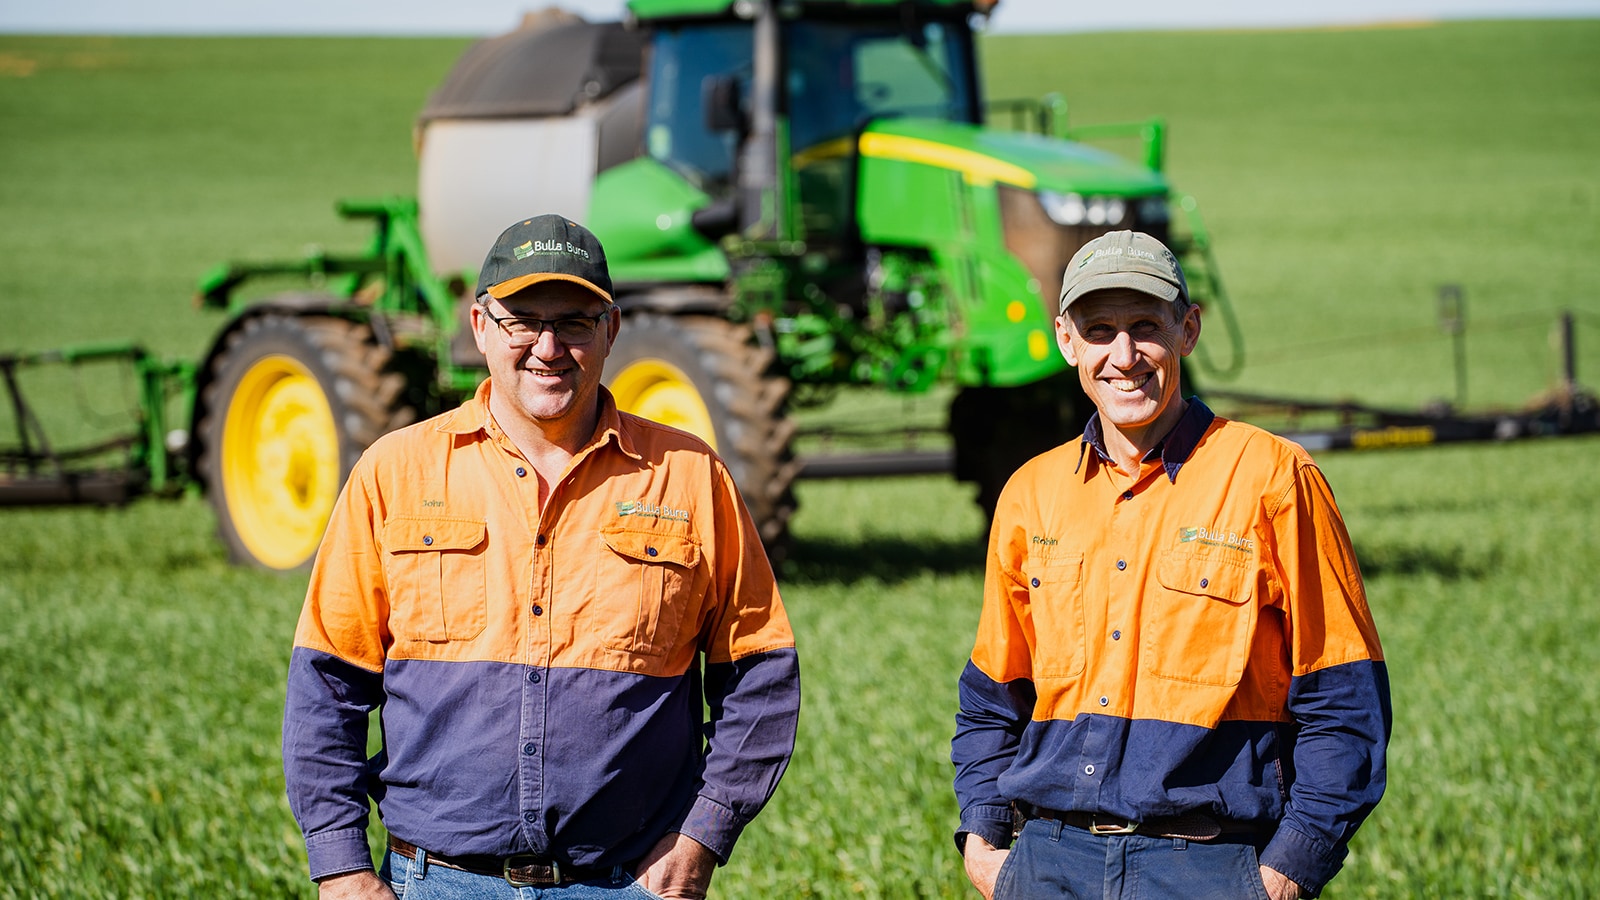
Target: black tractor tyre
[995,430]
[290,403]
[708,376]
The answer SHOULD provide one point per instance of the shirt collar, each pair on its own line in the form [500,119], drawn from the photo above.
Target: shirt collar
[1173,450]
[473,416]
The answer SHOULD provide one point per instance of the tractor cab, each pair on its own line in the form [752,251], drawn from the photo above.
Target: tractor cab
[835,68]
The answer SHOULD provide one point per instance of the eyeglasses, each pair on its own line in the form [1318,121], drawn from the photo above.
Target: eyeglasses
[521,332]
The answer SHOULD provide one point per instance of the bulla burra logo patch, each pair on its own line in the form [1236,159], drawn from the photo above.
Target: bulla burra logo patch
[529,248]
[651,510]
[1216,537]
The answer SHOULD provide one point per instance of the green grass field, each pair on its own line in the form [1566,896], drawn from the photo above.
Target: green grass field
[1345,174]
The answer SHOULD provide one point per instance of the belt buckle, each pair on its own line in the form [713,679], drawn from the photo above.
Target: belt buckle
[1098,827]
[533,861]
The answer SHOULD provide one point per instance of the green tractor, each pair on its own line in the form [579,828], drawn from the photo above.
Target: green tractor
[795,197]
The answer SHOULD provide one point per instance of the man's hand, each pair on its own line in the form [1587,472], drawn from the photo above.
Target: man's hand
[1279,887]
[354,886]
[677,867]
[983,864]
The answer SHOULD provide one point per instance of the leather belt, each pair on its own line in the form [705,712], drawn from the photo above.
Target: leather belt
[1197,827]
[519,870]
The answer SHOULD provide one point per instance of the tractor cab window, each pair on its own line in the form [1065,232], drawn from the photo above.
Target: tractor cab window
[682,62]
[842,74]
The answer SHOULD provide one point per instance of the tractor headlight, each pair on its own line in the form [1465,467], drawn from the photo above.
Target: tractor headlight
[1064,209]
[1076,209]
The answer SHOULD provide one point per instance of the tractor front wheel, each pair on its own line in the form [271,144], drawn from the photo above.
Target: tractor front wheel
[708,377]
[290,404]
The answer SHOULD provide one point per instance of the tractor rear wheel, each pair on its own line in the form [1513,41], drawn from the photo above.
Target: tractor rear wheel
[290,404]
[995,430]
[708,377]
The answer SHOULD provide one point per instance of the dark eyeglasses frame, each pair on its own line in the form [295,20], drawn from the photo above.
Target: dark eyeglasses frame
[568,330]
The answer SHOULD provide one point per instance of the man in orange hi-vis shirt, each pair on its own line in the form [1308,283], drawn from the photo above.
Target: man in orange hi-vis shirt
[542,594]
[1177,689]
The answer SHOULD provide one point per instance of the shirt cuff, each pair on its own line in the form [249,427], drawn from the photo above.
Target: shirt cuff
[992,823]
[338,852]
[1306,861]
[714,825]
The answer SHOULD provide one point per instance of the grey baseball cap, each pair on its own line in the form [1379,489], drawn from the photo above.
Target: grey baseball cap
[1124,259]
[544,248]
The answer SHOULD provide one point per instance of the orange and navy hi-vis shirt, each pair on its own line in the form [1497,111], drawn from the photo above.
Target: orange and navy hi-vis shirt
[1192,637]
[541,678]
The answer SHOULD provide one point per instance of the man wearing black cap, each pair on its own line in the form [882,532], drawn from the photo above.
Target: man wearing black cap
[541,593]
[1177,689]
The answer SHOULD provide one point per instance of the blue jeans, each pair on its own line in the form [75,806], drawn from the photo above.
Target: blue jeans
[1058,861]
[411,881]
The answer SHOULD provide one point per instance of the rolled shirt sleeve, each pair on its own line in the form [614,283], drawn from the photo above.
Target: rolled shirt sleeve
[335,681]
[1338,691]
[752,683]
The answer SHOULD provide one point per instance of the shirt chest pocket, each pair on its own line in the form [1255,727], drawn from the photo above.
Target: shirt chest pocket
[1199,624]
[644,591]
[435,570]
[1055,602]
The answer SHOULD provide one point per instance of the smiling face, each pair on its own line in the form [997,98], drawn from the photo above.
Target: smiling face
[1127,347]
[552,385]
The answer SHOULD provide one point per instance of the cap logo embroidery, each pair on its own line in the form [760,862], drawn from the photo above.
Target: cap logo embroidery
[523,251]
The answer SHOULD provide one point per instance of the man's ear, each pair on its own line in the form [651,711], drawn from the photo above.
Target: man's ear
[480,324]
[613,325]
[1191,330]
[1064,340]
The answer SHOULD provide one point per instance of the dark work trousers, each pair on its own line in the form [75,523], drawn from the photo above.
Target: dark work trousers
[1051,860]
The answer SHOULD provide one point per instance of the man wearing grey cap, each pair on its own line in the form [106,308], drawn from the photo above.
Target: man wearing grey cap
[587,680]
[1177,689]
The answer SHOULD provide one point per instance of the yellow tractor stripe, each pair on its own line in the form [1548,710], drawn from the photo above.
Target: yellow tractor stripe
[976,168]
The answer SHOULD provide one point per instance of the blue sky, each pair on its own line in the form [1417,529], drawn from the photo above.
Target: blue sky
[478,17]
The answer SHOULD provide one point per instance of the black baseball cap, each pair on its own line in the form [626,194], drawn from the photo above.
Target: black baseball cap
[544,248]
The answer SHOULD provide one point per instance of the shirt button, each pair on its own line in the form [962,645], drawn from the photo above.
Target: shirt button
[538,610]
[649,551]
[533,677]
[1121,564]
[529,817]
[1036,582]
[1104,701]
[1205,582]
[539,541]
[521,472]
[529,749]
[1127,495]
[427,540]
[1089,769]
[1116,635]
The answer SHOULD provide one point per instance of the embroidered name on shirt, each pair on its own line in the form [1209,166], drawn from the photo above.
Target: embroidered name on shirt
[1215,537]
[651,510]
[1039,540]
[430,503]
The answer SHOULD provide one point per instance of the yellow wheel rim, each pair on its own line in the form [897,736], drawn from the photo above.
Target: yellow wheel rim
[280,461]
[660,391]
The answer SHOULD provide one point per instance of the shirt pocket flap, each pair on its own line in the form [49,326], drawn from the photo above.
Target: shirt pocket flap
[421,535]
[1206,576]
[652,547]
[1061,568]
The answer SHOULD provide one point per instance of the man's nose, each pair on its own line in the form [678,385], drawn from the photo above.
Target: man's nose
[1122,352]
[546,345]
